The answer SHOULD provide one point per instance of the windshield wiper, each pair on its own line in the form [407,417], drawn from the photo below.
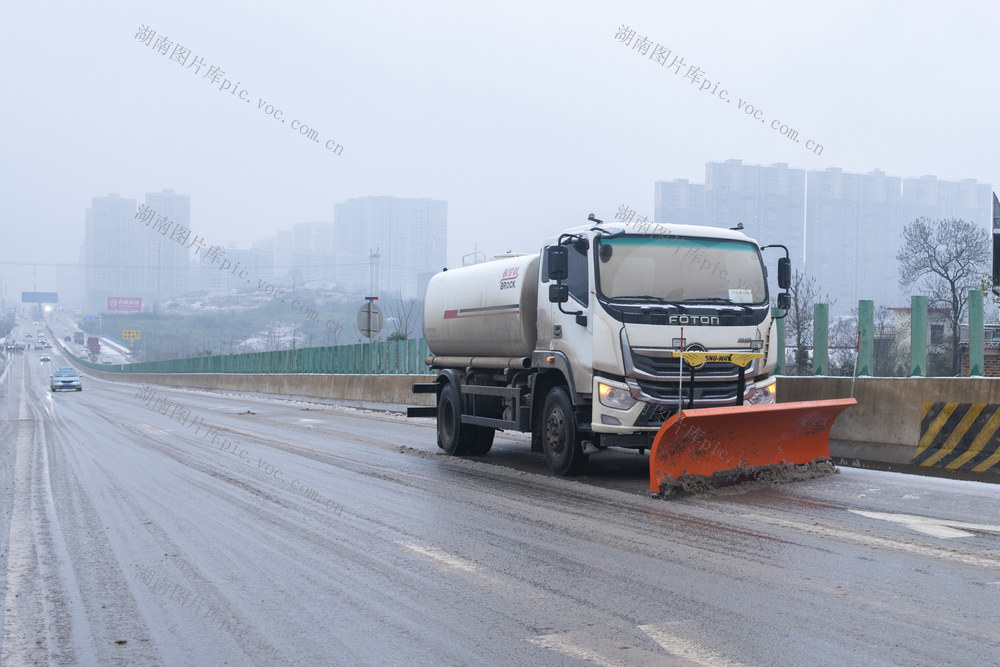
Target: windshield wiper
[719,299]
[644,297]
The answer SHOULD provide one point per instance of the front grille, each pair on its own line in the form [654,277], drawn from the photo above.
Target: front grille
[704,393]
[668,366]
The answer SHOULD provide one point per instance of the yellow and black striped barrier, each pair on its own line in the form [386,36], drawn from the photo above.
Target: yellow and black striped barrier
[959,436]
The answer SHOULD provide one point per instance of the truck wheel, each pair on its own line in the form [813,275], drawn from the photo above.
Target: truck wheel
[483,440]
[560,442]
[454,437]
[449,421]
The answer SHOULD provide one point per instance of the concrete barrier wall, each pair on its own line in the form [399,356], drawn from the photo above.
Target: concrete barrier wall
[946,426]
[941,426]
[369,388]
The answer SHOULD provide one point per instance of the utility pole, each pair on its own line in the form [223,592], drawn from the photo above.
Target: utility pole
[373,259]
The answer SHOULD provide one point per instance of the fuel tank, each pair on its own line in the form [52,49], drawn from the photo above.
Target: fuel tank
[483,310]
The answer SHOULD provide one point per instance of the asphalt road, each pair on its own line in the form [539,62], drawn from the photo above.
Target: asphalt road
[162,526]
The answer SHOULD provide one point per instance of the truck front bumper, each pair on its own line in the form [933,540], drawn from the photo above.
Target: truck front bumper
[619,409]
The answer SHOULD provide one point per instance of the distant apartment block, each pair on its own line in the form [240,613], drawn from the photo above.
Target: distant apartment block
[125,257]
[853,226]
[167,261]
[768,201]
[843,229]
[390,245]
[680,202]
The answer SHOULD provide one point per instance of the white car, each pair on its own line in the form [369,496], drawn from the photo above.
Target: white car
[65,378]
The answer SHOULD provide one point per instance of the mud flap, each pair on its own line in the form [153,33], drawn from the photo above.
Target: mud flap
[716,446]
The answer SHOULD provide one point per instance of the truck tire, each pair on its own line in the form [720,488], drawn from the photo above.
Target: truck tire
[560,441]
[454,437]
[483,440]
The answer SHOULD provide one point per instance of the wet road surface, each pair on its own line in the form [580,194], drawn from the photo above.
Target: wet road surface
[150,525]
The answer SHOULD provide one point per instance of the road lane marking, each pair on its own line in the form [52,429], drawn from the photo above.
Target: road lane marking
[683,648]
[562,644]
[941,528]
[441,556]
[872,541]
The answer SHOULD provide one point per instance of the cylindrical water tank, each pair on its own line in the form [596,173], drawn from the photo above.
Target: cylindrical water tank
[486,309]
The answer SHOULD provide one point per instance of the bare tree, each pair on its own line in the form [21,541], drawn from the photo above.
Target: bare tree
[843,344]
[948,258]
[892,350]
[406,318]
[804,295]
[890,355]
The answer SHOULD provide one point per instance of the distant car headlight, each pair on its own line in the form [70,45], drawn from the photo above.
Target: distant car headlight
[613,397]
[760,395]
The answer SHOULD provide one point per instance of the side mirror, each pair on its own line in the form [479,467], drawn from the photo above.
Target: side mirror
[783,301]
[557,258]
[558,293]
[784,272]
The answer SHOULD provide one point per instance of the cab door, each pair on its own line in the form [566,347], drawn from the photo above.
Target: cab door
[572,323]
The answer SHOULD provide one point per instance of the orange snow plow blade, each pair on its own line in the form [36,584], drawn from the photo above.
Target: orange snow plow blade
[706,447]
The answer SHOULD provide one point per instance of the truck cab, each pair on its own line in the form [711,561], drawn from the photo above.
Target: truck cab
[620,302]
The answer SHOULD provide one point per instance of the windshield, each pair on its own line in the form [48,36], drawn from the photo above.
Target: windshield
[65,374]
[680,269]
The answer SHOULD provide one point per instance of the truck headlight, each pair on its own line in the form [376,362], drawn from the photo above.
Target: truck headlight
[760,395]
[613,397]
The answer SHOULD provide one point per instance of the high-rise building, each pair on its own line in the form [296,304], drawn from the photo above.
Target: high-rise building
[842,229]
[245,269]
[304,254]
[113,250]
[768,201]
[927,197]
[313,253]
[126,257]
[853,225]
[680,202]
[167,261]
[390,245]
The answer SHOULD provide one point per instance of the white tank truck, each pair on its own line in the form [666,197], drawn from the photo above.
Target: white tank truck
[580,344]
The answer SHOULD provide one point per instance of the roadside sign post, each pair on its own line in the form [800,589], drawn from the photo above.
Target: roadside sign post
[370,323]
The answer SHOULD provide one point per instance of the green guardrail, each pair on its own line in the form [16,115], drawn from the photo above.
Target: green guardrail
[397,357]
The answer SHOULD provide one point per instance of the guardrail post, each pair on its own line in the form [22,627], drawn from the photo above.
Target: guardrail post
[976,333]
[779,366]
[866,326]
[918,336]
[821,337]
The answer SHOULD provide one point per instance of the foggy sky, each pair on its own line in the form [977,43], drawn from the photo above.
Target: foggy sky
[523,116]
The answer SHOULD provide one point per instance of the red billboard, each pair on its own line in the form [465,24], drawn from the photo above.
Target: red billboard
[129,303]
